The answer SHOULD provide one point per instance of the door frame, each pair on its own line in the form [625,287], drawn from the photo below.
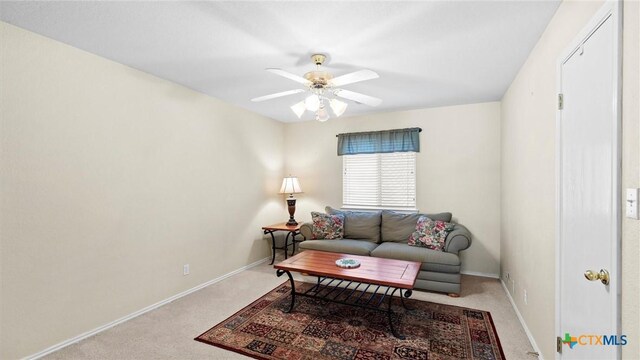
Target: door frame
[611,9]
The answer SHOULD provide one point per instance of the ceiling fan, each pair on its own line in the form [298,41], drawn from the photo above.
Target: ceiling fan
[323,89]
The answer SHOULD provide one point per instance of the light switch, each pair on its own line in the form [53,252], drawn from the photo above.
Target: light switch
[631,203]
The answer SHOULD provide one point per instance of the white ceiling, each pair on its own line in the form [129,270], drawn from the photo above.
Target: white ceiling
[427,53]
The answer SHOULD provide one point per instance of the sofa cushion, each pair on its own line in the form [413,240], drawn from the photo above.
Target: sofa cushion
[362,225]
[326,226]
[445,216]
[398,226]
[346,246]
[432,260]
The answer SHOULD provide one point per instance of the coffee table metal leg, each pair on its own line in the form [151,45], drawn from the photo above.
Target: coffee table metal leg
[407,294]
[293,287]
[390,313]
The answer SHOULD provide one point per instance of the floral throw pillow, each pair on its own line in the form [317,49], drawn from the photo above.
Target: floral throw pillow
[327,226]
[431,234]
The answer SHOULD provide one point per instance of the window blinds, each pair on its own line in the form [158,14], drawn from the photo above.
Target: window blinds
[384,180]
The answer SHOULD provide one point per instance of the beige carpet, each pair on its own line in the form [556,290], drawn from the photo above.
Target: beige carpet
[168,332]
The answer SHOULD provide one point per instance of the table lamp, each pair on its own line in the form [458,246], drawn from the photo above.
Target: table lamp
[291,185]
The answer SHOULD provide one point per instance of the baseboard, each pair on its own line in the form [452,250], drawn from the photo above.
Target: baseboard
[524,325]
[102,328]
[475,273]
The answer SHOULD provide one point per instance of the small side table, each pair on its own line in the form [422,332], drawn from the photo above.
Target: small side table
[292,231]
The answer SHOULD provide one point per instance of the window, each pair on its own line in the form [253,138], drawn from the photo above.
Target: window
[383,180]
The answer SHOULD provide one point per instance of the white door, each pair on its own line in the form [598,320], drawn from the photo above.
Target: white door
[588,192]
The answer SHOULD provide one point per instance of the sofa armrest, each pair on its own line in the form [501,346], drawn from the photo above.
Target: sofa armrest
[457,240]
[306,230]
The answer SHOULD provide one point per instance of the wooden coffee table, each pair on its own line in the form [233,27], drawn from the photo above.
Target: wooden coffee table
[366,286]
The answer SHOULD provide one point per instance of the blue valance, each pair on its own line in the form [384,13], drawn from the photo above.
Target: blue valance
[387,141]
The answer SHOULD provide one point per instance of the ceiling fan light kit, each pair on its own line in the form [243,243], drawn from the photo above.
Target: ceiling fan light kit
[338,106]
[312,102]
[299,109]
[323,88]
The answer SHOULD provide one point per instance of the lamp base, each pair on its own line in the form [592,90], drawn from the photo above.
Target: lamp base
[291,202]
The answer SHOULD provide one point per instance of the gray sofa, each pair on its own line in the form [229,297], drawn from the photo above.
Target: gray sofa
[385,233]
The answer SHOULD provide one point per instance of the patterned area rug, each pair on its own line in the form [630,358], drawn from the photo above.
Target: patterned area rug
[316,329]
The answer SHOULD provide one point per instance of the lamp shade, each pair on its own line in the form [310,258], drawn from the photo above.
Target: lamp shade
[337,106]
[290,185]
[299,109]
[322,114]
[312,102]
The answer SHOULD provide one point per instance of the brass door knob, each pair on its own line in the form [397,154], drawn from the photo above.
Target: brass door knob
[603,276]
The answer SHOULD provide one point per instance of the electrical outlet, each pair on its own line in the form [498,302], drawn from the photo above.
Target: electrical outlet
[631,204]
[525,297]
[185,269]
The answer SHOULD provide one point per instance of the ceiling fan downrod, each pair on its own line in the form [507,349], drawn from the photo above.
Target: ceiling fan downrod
[318,59]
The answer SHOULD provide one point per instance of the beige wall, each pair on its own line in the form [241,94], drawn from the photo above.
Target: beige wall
[528,174]
[112,179]
[458,168]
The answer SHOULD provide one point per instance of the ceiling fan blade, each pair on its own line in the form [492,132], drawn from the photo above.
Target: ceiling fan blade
[357,97]
[277,95]
[290,76]
[354,77]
